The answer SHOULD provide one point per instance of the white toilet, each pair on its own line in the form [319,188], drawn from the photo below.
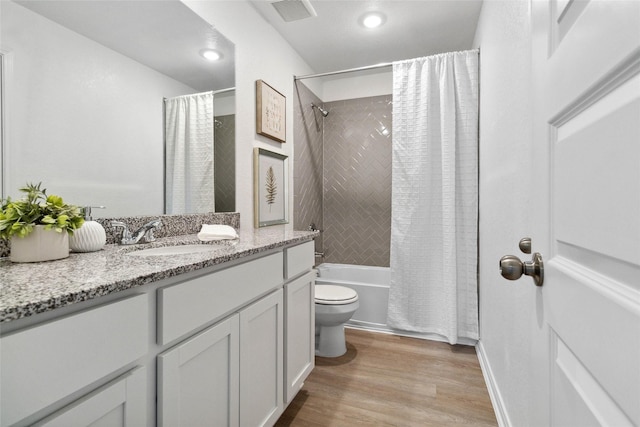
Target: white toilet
[334,307]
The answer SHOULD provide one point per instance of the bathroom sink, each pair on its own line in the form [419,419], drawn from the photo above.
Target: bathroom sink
[172,250]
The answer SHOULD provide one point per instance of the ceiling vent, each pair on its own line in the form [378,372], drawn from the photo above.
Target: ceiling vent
[294,10]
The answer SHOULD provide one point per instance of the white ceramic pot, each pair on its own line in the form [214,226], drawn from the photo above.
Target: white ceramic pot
[40,245]
[88,238]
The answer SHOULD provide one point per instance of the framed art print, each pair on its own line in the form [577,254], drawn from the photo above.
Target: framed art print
[270,188]
[270,112]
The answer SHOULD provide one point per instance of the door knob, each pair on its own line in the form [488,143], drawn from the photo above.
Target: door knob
[512,268]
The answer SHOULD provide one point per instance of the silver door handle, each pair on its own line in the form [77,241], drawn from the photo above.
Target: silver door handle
[512,268]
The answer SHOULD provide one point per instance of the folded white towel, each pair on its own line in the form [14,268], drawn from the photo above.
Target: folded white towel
[210,232]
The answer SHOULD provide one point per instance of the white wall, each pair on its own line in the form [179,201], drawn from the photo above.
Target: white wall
[357,85]
[224,103]
[507,308]
[90,127]
[261,53]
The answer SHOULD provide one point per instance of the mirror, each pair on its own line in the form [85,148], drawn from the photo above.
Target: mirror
[83,89]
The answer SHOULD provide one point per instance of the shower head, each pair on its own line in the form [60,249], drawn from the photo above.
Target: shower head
[324,112]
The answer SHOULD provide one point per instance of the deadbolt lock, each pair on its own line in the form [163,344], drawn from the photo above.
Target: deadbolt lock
[525,245]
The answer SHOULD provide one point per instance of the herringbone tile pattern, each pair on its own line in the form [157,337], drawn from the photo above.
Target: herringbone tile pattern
[224,164]
[307,170]
[342,176]
[357,181]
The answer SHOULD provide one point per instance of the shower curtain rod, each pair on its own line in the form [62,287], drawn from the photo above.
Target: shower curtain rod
[213,92]
[350,70]
[229,89]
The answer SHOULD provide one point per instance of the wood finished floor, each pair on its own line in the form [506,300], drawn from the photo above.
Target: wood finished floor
[386,380]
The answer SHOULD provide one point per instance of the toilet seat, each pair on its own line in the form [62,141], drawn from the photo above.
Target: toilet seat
[334,295]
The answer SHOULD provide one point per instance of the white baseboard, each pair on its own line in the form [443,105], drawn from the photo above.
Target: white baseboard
[494,391]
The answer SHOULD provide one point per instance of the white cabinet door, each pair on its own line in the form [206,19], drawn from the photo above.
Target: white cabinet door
[121,402]
[198,379]
[46,363]
[587,212]
[299,333]
[261,361]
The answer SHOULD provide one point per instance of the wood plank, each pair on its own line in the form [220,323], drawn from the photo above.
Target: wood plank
[386,380]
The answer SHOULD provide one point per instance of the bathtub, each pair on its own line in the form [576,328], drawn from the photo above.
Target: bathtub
[372,286]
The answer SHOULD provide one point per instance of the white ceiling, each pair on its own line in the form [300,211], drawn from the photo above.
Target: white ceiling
[334,40]
[164,35]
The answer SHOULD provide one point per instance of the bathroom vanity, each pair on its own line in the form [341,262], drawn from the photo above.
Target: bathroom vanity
[221,337]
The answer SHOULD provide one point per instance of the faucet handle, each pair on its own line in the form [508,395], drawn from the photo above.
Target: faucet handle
[148,234]
[120,224]
[126,234]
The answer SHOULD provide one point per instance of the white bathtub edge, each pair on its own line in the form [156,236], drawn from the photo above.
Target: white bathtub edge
[376,327]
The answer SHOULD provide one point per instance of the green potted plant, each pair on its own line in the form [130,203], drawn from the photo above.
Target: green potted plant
[38,225]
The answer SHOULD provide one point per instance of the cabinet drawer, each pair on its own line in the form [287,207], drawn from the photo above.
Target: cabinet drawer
[189,305]
[299,259]
[46,363]
[122,402]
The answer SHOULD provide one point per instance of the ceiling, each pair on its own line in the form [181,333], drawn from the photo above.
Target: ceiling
[335,40]
[168,36]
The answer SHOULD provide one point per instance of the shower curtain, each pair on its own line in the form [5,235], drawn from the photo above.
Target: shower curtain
[435,196]
[189,154]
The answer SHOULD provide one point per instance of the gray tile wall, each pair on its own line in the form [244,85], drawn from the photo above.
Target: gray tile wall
[307,171]
[342,176]
[357,181]
[224,163]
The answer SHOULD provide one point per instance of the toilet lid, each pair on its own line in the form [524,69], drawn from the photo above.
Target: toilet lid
[332,294]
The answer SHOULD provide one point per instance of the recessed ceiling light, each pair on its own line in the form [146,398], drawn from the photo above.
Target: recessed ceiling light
[372,19]
[210,54]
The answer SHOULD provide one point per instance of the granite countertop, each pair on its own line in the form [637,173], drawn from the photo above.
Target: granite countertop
[31,288]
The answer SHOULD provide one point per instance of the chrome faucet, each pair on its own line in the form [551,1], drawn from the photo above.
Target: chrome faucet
[143,235]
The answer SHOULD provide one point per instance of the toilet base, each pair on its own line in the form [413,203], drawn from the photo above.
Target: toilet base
[330,341]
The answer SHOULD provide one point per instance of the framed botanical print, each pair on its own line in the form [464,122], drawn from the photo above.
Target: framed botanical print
[270,188]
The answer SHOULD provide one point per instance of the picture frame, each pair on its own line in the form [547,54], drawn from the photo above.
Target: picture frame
[270,112]
[270,188]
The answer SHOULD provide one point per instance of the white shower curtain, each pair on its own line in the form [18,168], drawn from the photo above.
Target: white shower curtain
[189,154]
[435,196]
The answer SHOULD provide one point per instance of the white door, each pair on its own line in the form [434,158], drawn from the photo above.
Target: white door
[586,72]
